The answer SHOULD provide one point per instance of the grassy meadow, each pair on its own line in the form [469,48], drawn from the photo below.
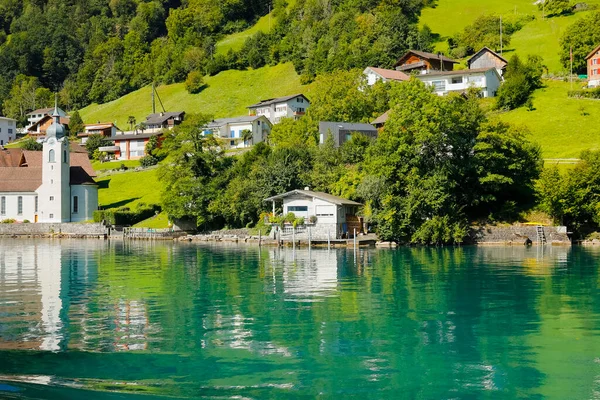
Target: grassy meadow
[235,41]
[561,125]
[227,94]
[540,36]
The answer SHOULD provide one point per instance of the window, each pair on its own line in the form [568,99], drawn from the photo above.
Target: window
[439,85]
[300,109]
[232,132]
[51,198]
[64,156]
[3,205]
[10,130]
[457,79]
[51,216]
[300,100]
[51,156]
[232,143]
[595,61]
[1,142]
[20,205]
[298,209]
[75,204]
[36,204]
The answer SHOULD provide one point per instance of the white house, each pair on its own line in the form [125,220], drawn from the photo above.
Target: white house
[293,106]
[335,216]
[231,130]
[36,115]
[444,82]
[8,130]
[385,75]
[52,185]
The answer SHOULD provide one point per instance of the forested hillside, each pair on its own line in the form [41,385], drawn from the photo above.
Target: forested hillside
[99,50]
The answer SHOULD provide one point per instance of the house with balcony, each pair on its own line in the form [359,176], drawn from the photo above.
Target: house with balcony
[230,132]
[8,130]
[592,61]
[36,115]
[488,80]
[275,110]
[328,216]
[423,62]
[106,129]
[164,120]
[129,145]
[39,128]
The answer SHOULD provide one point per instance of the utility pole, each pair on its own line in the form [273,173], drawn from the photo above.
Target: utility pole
[501,35]
[571,59]
[153,105]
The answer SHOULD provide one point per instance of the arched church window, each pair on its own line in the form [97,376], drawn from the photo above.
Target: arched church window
[51,157]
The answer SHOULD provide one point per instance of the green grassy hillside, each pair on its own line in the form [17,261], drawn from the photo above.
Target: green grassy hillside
[226,95]
[236,41]
[129,189]
[562,126]
[540,36]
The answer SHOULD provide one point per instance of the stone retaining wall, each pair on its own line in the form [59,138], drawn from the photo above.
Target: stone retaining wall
[48,229]
[517,234]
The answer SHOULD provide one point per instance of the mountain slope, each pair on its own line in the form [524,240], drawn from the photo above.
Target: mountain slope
[226,95]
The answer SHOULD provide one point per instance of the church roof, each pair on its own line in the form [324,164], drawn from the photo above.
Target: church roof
[21,170]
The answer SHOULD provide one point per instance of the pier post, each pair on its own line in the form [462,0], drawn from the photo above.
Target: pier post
[294,237]
[259,237]
[309,238]
[328,239]
[354,239]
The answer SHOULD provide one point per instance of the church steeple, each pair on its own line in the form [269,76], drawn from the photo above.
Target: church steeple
[56,130]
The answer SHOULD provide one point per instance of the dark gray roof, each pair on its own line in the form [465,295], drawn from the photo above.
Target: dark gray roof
[318,195]
[160,118]
[268,102]
[324,126]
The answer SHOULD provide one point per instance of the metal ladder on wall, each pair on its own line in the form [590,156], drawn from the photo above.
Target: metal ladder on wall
[541,236]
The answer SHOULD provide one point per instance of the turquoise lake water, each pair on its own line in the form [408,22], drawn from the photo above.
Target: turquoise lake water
[99,320]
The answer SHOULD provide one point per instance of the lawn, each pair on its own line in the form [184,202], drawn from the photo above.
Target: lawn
[562,126]
[541,36]
[227,95]
[129,189]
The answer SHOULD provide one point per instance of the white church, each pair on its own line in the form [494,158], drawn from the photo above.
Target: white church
[52,185]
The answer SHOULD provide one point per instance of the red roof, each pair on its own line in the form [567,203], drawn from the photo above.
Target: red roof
[21,170]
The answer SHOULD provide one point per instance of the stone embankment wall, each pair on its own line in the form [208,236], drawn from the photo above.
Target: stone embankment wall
[518,234]
[52,229]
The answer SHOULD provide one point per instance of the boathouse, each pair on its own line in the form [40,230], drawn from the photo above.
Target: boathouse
[325,215]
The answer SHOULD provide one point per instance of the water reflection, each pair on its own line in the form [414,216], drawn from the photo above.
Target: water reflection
[234,320]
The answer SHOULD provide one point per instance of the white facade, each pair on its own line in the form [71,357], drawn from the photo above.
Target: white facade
[230,130]
[84,201]
[8,130]
[19,206]
[488,81]
[373,75]
[277,109]
[54,193]
[37,115]
[330,211]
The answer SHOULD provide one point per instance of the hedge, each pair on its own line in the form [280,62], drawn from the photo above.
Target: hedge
[125,216]
[585,93]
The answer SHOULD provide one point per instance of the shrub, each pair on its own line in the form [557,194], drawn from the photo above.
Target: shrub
[312,219]
[585,93]
[148,161]
[31,144]
[26,221]
[125,216]
[194,82]
[123,167]
[9,221]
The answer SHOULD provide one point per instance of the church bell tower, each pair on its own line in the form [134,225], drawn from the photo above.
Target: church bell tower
[54,195]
